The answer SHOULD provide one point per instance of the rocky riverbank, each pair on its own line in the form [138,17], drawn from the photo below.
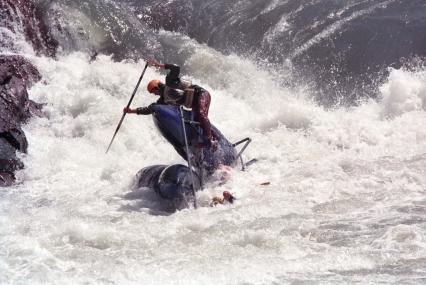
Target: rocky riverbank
[18,19]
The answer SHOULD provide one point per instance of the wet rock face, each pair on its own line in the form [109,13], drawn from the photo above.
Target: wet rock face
[24,17]
[18,19]
[16,75]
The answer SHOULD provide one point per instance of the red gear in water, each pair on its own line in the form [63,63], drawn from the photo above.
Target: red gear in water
[228,196]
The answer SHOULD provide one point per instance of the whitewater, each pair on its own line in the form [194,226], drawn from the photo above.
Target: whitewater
[345,204]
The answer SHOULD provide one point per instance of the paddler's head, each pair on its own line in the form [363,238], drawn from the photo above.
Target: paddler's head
[155,86]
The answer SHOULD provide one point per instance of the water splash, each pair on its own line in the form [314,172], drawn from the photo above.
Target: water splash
[345,199]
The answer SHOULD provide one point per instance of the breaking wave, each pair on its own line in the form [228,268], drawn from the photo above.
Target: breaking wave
[345,203]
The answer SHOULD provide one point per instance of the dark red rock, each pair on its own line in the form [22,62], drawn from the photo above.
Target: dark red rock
[169,15]
[18,66]
[16,75]
[19,18]
[24,17]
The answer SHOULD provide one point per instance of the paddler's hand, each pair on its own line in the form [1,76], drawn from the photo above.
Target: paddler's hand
[128,110]
[153,62]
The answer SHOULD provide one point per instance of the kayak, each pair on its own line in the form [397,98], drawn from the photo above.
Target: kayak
[180,182]
[168,121]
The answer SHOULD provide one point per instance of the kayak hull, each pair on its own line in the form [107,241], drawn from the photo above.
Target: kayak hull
[176,182]
[171,182]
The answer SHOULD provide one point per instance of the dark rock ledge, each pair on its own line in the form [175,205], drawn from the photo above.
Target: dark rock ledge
[16,75]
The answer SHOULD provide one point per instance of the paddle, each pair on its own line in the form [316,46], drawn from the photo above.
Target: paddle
[128,106]
[188,157]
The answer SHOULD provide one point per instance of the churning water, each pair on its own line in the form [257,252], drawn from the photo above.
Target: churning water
[346,201]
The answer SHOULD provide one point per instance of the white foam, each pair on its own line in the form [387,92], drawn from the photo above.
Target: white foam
[404,92]
[337,178]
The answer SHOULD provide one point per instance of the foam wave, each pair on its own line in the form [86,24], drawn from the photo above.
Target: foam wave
[342,183]
[404,91]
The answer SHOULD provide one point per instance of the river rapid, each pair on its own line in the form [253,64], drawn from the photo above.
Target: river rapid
[345,202]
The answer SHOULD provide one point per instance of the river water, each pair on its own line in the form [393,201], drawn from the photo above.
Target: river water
[345,202]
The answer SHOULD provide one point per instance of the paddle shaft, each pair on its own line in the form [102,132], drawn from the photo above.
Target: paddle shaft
[128,106]
[188,157]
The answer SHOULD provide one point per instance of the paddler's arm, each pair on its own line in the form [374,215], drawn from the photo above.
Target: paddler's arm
[141,110]
[172,77]
[148,110]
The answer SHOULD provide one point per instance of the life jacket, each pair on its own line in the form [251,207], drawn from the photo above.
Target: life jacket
[182,93]
[173,96]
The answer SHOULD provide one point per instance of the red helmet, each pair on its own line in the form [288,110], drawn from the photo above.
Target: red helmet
[226,195]
[152,85]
